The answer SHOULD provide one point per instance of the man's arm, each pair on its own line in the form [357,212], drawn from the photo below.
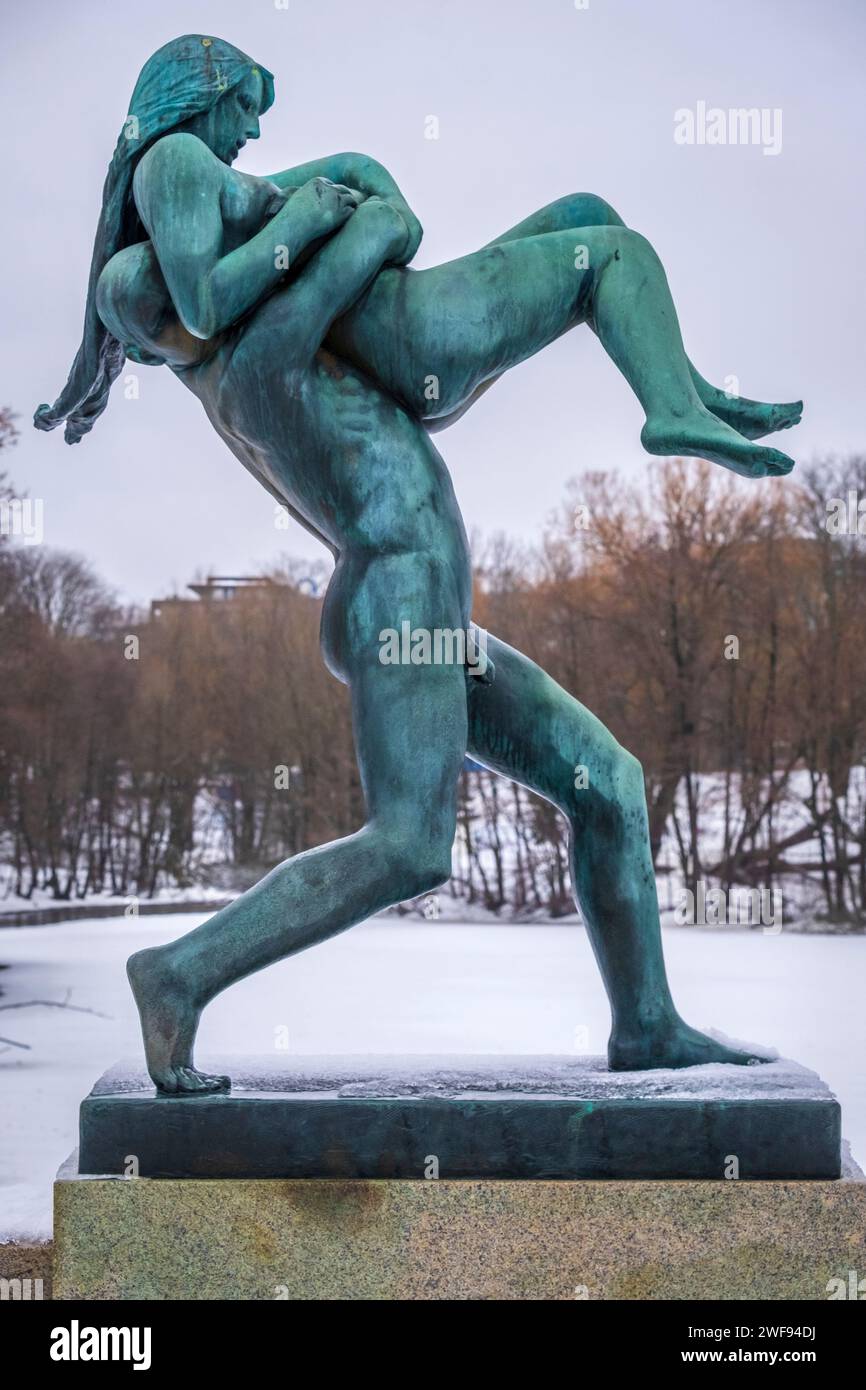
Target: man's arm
[361,172]
[339,273]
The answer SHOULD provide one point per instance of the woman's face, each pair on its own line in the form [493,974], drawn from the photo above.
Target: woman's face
[227,127]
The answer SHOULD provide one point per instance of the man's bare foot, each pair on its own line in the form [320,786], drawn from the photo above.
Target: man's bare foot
[672,1044]
[752,419]
[169,1020]
[701,434]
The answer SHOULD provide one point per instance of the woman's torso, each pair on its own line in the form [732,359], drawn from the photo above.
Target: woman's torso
[342,453]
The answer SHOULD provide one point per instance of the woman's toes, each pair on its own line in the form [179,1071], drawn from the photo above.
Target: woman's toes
[778,464]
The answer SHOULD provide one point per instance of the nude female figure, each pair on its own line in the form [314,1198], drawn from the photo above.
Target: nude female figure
[316,383]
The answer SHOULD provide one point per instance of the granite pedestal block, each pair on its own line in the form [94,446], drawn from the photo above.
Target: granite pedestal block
[384,1178]
[143,1238]
[530,1118]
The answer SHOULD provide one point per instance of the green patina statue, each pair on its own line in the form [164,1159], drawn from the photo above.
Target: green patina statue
[285,305]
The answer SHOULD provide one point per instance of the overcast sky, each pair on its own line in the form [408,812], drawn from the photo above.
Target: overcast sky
[766,254]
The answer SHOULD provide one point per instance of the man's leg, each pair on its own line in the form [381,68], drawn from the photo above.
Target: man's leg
[529,729]
[410,732]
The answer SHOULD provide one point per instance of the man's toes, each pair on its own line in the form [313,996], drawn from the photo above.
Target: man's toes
[192,1080]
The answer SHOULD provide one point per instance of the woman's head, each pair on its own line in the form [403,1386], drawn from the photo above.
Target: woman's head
[202,85]
[234,120]
[195,83]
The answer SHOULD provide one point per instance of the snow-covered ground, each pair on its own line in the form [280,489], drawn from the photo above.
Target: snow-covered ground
[399,986]
[184,898]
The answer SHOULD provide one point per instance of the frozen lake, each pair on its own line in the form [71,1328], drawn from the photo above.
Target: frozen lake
[400,986]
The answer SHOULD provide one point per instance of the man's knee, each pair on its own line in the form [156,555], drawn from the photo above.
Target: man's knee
[628,775]
[427,865]
[609,792]
[419,858]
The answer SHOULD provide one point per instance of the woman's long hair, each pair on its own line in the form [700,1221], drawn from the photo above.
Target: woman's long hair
[183,79]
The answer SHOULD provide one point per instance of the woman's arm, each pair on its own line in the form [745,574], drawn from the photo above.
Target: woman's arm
[178,188]
[361,172]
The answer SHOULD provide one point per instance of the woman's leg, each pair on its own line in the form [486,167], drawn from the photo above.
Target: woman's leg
[753,419]
[410,732]
[434,337]
[529,729]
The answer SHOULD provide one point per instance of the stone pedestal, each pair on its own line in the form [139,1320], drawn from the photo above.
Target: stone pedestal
[460,1178]
[148,1238]
[464,1117]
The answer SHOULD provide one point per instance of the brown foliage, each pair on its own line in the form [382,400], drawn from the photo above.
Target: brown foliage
[714,625]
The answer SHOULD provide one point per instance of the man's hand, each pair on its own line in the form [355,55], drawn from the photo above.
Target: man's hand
[414,229]
[338,274]
[388,226]
[327,205]
[361,172]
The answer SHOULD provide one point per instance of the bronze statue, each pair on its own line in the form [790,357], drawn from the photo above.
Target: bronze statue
[286,305]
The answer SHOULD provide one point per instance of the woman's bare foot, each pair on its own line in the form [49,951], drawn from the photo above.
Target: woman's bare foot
[169,1020]
[700,434]
[752,419]
[672,1044]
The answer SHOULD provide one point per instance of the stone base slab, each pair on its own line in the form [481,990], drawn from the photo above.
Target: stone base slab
[254,1239]
[479,1118]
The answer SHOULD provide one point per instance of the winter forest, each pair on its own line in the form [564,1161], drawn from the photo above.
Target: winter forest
[714,626]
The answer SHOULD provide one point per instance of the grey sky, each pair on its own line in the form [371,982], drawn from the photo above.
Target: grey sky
[766,254]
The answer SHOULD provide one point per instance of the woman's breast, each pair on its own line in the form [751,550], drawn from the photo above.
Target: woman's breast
[246,204]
